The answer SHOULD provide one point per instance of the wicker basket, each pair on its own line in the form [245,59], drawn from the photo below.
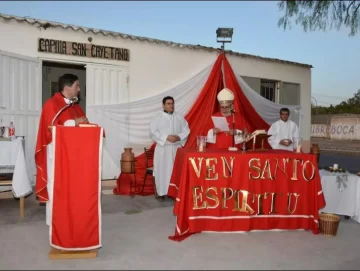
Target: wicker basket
[329,224]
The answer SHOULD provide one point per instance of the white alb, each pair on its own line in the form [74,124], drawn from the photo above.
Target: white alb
[280,130]
[162,125]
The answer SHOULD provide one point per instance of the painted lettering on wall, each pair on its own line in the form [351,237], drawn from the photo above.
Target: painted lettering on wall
[318,129]
[322,130]
[82,49]
[342,129]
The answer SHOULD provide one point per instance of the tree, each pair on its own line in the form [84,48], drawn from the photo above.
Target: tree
[355,101]
[321,15]
[351,106]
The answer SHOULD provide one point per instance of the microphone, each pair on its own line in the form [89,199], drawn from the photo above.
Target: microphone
[71,103]
[74,100]
[232,111]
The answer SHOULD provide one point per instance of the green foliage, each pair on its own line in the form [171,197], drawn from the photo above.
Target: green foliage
[351,106]
[321,15]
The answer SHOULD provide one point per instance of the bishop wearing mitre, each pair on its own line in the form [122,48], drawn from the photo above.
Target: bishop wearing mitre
[222,139]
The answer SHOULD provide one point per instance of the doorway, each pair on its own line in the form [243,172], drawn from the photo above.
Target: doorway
[51,71]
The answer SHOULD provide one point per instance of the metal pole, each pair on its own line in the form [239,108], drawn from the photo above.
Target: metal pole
[314,100]
[316,104]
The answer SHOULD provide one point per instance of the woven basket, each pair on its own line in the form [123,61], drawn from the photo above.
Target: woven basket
[329,224]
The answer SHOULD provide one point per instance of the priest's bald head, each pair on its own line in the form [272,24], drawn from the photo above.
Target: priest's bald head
[226,98]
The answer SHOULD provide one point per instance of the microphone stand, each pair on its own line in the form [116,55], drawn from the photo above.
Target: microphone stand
[234,133]
[233,148]
[245,134]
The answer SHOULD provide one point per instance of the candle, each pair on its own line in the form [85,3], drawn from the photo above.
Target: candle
[335,166]
[298,149]
[201,147]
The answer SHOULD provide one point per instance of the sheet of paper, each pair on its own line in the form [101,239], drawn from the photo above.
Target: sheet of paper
[221,123]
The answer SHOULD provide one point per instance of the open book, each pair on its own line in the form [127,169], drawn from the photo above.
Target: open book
[87,125]
[256,133]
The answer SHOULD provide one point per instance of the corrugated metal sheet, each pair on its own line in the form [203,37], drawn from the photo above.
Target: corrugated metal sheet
[20,99]
[106,84]
[48,24]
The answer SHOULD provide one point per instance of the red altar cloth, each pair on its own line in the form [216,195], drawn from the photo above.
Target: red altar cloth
[263,194]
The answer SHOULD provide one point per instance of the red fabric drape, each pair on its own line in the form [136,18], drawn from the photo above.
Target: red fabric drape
[305,215]
[130,183]
[76,214]
[242,104]
[199,119]
[44,137]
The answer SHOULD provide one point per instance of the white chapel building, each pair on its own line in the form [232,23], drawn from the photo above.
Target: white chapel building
[120,68]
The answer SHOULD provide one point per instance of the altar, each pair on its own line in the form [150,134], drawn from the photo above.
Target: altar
[223,191]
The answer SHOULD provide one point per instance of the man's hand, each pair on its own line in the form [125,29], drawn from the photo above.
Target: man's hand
[173,138]
[81,120]
[231,131]
[285,142]
[170,138]
[216,131]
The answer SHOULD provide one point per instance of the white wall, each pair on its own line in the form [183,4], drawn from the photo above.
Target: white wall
[340,128]
[155,68]
[20,99]
[254,83]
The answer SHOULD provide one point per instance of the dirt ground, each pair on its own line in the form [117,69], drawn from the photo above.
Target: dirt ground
[343,146]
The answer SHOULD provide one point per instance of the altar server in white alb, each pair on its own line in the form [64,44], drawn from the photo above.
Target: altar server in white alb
[170,131]
[283,132]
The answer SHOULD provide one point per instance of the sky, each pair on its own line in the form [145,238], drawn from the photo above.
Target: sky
[334,55]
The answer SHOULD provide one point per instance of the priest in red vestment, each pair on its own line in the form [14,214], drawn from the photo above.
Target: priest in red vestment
[223,139]
[69,88]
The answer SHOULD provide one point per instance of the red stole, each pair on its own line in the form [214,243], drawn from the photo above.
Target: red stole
[44,137]
[223,139]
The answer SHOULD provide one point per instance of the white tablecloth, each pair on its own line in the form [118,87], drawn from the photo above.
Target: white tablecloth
[12,154]
[346,202]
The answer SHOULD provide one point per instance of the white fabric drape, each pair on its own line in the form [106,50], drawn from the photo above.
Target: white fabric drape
[269,110]
[346,202]
[127,124]
[12,154]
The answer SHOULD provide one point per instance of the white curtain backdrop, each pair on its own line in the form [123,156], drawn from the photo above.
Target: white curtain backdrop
[268,110]
[127,124]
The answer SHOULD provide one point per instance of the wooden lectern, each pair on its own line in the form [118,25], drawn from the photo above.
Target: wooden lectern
[256,140]
[74,188]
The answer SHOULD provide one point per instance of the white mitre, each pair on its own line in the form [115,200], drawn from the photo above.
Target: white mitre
[225,97]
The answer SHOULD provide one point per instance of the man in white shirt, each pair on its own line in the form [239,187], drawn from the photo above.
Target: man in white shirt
[284,132]
[170,131]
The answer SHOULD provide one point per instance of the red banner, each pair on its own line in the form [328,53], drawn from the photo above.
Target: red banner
[76,206]
[225,191]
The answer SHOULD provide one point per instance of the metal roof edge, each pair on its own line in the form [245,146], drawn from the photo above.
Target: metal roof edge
[46,24]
